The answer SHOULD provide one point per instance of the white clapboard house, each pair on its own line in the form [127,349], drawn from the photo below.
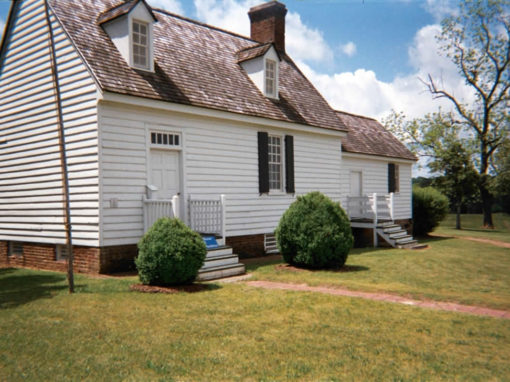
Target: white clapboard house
[113,114]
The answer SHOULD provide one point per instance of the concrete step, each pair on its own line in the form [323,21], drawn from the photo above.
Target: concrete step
[272,251]
[217,261]
[212,273]
[220,251]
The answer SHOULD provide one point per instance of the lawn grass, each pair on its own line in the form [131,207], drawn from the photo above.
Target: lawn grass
[233,332]
[472,226]
[449,270]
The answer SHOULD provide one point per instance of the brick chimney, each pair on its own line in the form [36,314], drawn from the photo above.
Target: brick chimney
[268,24]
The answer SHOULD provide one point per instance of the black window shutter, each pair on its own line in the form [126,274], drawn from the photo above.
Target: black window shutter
[263,163]
[289,164]
[391,177]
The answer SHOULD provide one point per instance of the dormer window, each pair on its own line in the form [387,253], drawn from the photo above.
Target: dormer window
[130,26]
[261,63]
[140,47]
[270,78]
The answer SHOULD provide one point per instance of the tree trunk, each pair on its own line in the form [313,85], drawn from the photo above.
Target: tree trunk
[457,220]
[487,207]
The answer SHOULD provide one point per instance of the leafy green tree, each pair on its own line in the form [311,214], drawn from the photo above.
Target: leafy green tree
[501,182]
[477,40]
[439,138]
[459,178]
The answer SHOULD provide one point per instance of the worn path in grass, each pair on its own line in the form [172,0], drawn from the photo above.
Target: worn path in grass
[476,310]
[497,243]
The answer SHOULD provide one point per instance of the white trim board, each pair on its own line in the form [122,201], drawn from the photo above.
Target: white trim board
[217,114]
[378,158]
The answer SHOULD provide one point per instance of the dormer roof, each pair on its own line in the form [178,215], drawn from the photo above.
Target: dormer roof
[255,51]
[122,9]
[194,64]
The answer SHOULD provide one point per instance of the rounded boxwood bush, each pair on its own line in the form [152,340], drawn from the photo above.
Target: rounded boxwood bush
[170,253]
[314,232]
[429,207]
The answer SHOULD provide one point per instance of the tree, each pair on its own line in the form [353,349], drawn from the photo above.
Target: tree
[501,167]
[438,137]
[477,40]
[459,176]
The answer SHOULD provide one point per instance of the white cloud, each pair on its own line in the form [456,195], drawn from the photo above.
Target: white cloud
[348,49]
[302,42]
[305,43]
[361,92]
[441,8]
[173,6]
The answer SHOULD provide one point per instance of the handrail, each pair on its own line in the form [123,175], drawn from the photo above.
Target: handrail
[208,215]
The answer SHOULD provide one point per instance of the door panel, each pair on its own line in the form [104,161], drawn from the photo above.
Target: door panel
[165,173]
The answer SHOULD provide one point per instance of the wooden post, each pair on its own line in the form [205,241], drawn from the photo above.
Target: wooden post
[145,214]
[392,212]
[223,199]
[62,150]
[175,206]
[375,218]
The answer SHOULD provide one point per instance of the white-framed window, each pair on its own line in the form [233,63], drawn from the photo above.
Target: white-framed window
[161,139]
[275,161]
[140,44]
[271,78]
[61,252]
[15,248]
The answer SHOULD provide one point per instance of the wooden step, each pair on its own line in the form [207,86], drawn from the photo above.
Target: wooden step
[212,273]
[220,251]
[217,261]
[398,234]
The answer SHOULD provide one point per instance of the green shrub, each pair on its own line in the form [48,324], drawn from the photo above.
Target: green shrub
[314,232]
[429,208]
[170,253]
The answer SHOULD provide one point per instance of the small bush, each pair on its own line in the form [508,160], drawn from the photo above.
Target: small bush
[314,232]
[430,207]
[170,253]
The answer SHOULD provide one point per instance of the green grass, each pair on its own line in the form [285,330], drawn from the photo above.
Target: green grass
[472,226]
[450,270]
[233,332]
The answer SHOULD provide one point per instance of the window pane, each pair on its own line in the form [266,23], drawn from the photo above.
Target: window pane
[275,163]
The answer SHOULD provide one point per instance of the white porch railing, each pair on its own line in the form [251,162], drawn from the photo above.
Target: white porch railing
[373,207]
[153,209]
[208,215]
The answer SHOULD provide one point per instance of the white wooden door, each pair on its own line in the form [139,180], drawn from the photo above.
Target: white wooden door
[165,174]
[356,188]
[356,209]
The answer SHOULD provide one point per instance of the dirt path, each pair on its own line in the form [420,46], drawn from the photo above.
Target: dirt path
[447,306]
[497,243]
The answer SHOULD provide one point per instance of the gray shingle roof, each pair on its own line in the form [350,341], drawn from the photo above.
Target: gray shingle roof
[367,136]
[195,64]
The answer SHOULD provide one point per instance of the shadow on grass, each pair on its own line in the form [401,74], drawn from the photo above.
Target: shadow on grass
[346,268]
[189,288]
[19,289]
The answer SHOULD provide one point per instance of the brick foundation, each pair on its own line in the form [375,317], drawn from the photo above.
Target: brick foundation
[247,245]
[86,259]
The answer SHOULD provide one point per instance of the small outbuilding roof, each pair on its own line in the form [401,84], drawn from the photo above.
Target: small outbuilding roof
[367,136]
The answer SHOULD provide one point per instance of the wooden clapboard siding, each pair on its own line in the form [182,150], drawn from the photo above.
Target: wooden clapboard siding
[219,157]
[375,179]
[31,192]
